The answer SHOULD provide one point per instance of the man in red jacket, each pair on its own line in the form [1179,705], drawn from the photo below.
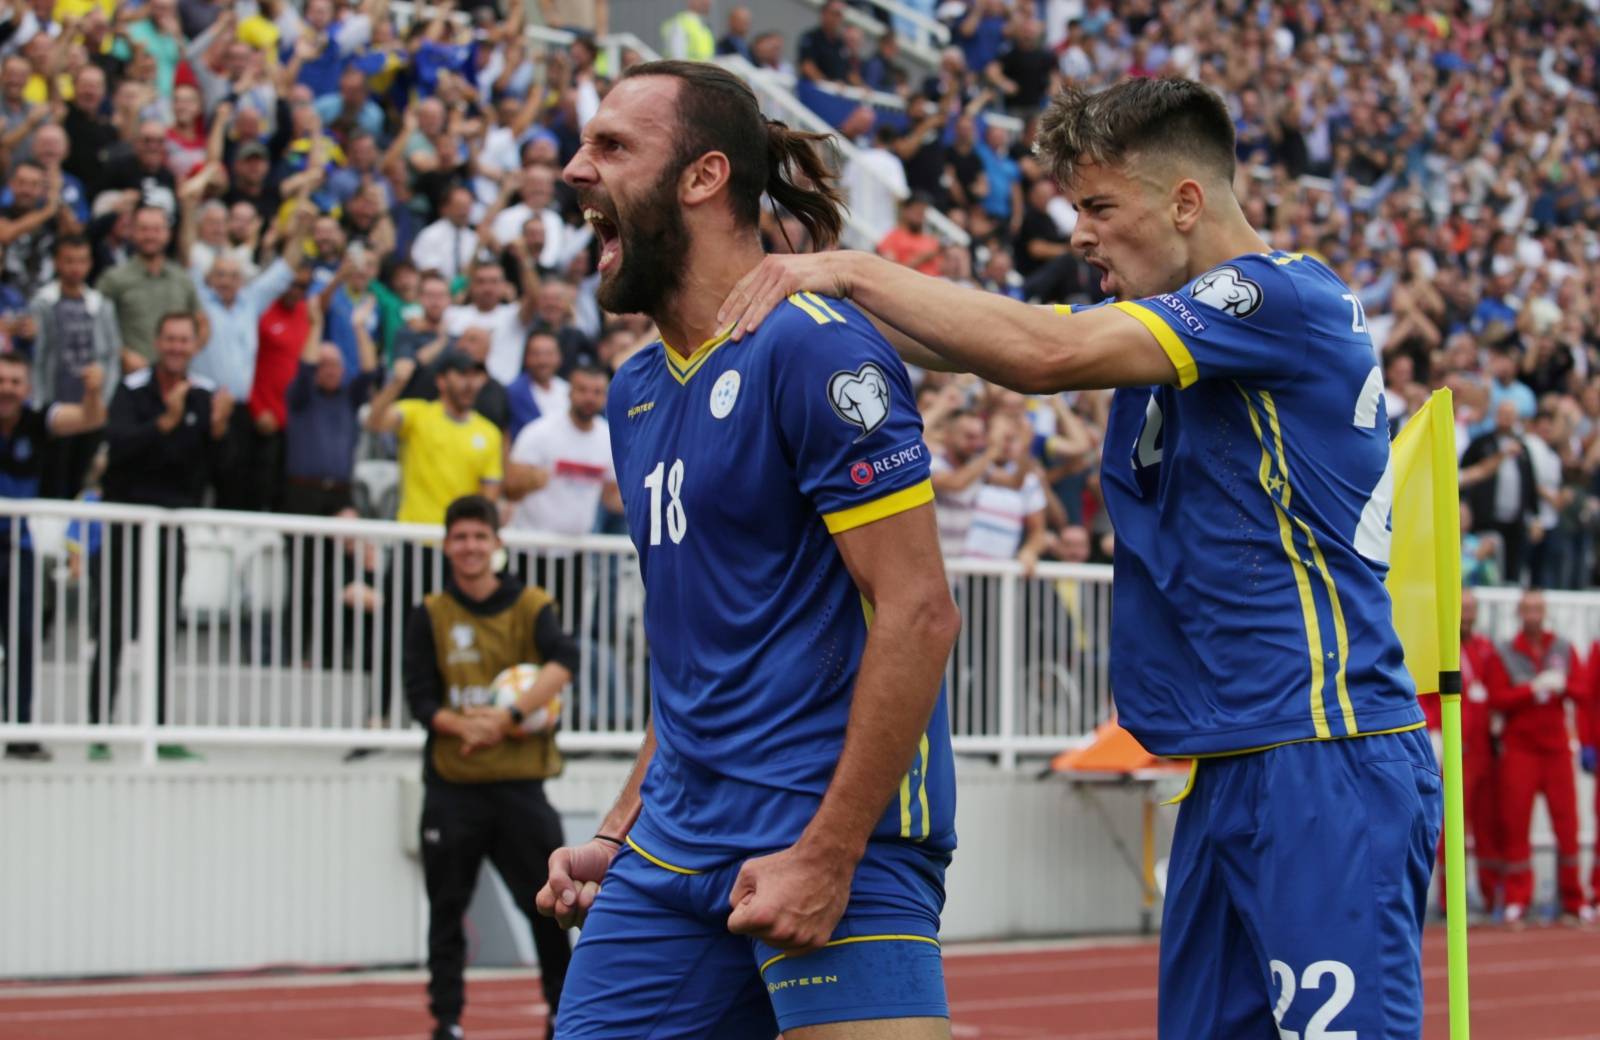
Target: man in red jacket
[1543,672]
[1481,672]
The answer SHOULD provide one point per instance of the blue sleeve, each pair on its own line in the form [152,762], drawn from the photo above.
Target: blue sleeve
[847,415]
[1242,320]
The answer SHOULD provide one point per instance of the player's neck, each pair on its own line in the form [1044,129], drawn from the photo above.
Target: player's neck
[1230,237]
[689,317]
[479,587]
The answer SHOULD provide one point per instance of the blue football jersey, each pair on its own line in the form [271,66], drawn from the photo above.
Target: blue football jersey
[1251,509]
[737,466]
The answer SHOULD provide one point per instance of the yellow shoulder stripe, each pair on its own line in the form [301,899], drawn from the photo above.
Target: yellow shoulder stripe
[1177,352]
[879,508]
[663,864]
[1062,308]
[826,308]
[818,315]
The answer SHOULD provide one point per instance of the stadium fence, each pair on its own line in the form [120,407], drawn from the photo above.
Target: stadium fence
[287,630]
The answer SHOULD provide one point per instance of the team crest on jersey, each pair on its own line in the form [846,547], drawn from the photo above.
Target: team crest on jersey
[860,398]
[724,394]
[461,636]
[1229,291]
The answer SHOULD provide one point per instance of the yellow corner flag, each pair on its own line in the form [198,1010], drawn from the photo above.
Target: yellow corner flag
[1425,586]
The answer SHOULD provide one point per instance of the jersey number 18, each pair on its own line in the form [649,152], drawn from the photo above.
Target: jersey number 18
[677,520]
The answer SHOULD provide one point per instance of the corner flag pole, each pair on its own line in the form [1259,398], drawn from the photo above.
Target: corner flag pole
[1447,574]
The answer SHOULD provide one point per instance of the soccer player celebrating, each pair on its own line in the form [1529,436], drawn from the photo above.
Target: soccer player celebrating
[1246,472]
[776,859]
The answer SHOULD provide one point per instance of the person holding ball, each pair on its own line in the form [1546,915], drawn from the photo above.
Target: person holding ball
[484,767]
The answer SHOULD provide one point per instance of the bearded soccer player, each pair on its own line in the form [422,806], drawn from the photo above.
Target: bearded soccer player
[776,859]
[1246,472]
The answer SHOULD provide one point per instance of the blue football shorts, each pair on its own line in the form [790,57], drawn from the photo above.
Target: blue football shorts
[1296,892]
[656,959]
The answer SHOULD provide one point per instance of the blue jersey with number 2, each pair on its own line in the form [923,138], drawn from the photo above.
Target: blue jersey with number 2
[737,466]
[1251,509]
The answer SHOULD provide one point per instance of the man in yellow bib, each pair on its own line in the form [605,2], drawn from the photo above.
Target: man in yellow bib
[483,774]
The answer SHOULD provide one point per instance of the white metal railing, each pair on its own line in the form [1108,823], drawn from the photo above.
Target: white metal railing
[273,629]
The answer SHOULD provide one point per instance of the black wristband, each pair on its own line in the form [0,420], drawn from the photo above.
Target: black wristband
[606,837]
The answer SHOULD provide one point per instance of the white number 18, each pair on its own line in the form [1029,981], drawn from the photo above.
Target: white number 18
[677,519]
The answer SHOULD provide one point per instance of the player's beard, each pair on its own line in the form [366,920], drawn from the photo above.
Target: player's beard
[655,246]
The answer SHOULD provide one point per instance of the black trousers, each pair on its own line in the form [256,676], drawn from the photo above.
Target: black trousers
[253,481]
[107,578]
[66,463]
[516,828]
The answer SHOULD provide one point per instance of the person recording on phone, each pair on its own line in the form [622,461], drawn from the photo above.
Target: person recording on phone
[483,769]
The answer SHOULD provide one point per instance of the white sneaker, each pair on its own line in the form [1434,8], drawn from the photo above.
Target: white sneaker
[1514,916]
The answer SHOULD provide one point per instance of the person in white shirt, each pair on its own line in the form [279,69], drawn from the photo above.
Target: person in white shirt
[538,192]
[506,322]
[449,244]
[560,469]
[876,182]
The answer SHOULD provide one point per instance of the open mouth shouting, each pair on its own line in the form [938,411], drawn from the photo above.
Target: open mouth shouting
[605,229]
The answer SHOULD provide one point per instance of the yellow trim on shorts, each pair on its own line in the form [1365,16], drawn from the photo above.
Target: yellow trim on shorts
[1194,760]
[663,864]
[854,939]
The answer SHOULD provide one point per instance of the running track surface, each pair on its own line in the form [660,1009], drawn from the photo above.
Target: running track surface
[1532,985]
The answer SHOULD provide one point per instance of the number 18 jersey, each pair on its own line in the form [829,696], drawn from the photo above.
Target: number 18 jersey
[737,467]
[1251,509]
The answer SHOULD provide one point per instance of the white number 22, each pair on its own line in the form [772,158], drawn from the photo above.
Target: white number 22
[677,519]
[1358,314]
[1344,989]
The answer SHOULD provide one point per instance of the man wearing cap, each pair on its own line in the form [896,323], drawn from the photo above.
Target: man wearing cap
[250,180]
[446,449]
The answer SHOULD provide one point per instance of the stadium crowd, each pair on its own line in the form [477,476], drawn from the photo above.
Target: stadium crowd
[277,238]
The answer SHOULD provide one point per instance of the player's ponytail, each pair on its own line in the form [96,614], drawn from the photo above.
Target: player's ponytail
[799,180]
[718,112]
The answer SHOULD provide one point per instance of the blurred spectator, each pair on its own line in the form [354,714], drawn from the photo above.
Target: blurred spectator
[555,314]
[490,398]
[823,54]
[449,244]
[423,338]
[147,287]
[76,330]
[1499,482]
[504,322]
[876,183]
[737,39]
[444,445]
[686,36]
[234,309]
[537,391]
[167,437]
[322,432]
[1025,69]
[25,431]
[29,224]
[958,472]
[910,243]
[560,470]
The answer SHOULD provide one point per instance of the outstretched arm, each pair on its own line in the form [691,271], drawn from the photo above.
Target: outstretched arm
[1027,348]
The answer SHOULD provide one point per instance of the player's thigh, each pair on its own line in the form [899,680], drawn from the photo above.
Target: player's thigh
[883,962]
[1334,885]
[1212,980]
[457,827]
[875,1029]
[649,964]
